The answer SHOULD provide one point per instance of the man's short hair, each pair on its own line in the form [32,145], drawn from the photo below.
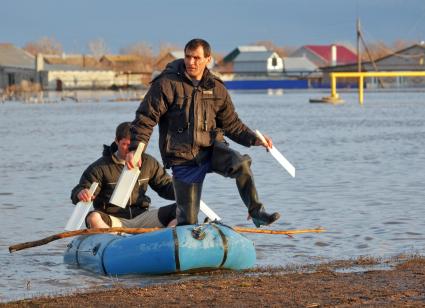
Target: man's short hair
[123,131]
[195,43]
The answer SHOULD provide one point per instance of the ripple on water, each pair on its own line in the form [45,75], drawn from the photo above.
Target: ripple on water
[394,223]
[321,244]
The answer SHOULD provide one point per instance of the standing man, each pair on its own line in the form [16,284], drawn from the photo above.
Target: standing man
[194,112]
[106,171]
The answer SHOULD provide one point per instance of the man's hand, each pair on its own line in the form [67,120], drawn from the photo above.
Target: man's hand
[267,144]
[84,195]
[129,160]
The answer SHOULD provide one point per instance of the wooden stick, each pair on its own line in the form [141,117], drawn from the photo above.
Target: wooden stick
[78,232]
[285,232]
[58,236]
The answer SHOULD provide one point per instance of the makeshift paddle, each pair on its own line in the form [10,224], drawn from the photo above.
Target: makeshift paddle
[278,156]
[127,180]
[58,236]
[80,211]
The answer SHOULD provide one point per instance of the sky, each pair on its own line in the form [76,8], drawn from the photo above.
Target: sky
[224,23]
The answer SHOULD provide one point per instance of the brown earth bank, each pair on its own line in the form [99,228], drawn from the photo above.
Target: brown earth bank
[365,282]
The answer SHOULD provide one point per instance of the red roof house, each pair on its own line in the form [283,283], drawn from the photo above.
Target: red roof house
[326,55]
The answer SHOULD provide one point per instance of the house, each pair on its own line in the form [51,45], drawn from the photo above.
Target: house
[256,68]
[411,58]
[16,66]
[162,62]
[58,77]
[250,62]
[326,55]
[131,70]
[299,67]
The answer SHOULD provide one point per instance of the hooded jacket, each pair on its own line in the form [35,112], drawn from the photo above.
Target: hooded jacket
[190,117]
[106,171]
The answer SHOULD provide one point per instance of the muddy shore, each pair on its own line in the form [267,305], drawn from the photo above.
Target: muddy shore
[365,282]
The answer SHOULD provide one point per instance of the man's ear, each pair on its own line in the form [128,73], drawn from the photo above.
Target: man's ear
[209,60]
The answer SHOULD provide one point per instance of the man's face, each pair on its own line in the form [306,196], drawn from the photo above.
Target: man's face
[123,145]
[195,62]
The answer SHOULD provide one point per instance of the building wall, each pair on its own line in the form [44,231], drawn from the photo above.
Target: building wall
[78,79]
[18,75]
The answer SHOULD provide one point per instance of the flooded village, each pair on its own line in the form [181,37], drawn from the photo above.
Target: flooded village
[33,76]
[344,108]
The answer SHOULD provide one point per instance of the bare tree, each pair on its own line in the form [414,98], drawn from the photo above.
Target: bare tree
[142,49]
[45,45]
[98,48]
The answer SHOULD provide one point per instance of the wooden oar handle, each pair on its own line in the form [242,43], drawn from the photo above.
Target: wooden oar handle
[58,236]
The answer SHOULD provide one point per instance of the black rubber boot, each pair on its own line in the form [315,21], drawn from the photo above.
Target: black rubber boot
[262,218]
[188,197]
[231,163]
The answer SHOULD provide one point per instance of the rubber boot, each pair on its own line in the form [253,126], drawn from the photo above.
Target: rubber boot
[231,163]
[188,197]
[248,193]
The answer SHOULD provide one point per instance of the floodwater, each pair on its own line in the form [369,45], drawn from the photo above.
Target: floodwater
[360,175]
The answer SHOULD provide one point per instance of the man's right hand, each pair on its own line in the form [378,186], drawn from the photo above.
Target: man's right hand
[129,160]
[84,195]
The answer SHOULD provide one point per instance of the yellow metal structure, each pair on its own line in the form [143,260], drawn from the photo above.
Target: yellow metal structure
[362,75]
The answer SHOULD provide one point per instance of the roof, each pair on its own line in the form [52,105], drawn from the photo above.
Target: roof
[298,64]
[253,56]
[11,56]
[235,52]
[71,59]
[177,54]
[122,58]
[344,55]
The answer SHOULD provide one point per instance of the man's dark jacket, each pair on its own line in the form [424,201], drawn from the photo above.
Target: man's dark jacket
[189,117]
[106,171]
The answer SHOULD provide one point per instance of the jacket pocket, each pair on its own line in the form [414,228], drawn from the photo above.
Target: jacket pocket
[178,137]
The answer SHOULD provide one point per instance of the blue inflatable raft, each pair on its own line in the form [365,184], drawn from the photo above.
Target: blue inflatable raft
[169,250]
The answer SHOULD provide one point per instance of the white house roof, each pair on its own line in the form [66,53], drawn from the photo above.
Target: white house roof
[253,56]
[11,56]
[248,48]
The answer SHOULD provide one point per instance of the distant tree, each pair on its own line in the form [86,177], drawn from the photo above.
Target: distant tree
[165,48]
[45,45]
[142,49]
[401,44]
[98,48]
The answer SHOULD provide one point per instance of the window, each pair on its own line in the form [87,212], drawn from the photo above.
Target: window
[11,79]
[274,61]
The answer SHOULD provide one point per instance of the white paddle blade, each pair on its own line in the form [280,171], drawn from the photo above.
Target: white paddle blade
[209,212]
[127,180]
[80,212]
[278,156]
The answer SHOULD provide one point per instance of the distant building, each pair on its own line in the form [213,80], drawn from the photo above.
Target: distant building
[411,58]
[130,69]
[250,62]
[162,62]
[80,60]
[326,55]
[16,66]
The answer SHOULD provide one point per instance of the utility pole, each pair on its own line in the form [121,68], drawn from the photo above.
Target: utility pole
[359,58]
